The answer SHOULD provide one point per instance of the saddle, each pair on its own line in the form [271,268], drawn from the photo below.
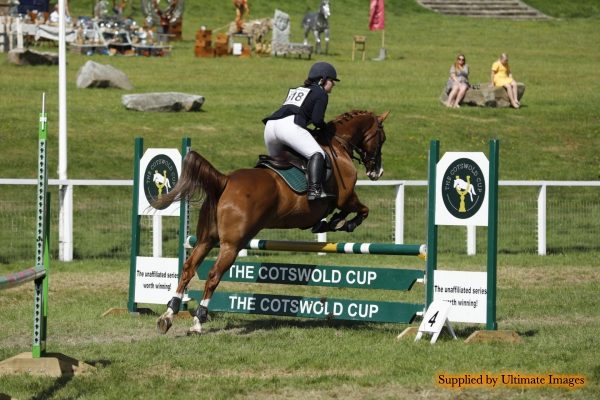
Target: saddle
[292,170]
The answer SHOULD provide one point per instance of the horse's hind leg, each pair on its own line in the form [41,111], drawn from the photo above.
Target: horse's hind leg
[225,259]
[199,252]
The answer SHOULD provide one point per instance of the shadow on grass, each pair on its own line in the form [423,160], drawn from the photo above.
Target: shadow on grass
[52,390]
[249,327]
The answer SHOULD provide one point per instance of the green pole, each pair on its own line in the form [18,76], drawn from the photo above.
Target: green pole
[40,309]
[135,223]
[432,230]
[184,216]
[492,252]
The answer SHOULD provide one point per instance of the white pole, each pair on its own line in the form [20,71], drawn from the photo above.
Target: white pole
[471,240]
[157,235]
[322,238]
[399,219]
[542,221]
[19,34]
[65,231]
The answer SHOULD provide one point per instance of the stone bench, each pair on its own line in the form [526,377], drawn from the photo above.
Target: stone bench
[482,95]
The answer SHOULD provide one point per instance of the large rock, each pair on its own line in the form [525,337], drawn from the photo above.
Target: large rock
[168,101]
[94,75]
[484,96]
[32,57]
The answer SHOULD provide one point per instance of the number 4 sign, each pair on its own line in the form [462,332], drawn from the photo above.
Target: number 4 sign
[434,320]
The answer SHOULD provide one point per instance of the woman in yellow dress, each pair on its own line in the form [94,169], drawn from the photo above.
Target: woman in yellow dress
[502,76]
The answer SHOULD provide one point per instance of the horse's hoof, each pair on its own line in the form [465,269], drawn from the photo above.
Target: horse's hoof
[337,225]
[194,332]
[163,324]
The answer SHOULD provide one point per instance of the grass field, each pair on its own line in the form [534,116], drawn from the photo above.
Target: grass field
[547,301]
[550,301]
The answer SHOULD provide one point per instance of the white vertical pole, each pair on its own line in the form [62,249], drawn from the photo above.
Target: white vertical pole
[542,221]
[65,222]
[322,238]
[471,240]
[399,211]
[19,34]
[157,235]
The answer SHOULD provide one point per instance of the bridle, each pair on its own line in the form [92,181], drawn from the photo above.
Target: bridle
[364,158]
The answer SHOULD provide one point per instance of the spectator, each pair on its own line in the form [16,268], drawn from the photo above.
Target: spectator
[502,76]
[458,83]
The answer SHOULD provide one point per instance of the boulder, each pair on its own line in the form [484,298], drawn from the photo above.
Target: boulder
[94,75]
[167,101]
[484,96]
[32,57]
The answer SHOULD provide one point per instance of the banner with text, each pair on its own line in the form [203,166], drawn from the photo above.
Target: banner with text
[156,279]
[466,291]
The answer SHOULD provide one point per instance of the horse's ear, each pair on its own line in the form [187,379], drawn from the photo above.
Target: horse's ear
[383,116]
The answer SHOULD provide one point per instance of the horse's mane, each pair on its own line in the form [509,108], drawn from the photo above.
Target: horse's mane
[339,121]
[347,116]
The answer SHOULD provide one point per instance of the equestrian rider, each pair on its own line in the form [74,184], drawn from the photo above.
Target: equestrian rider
[288,125]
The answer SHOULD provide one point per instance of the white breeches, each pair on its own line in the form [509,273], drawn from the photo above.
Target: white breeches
[284,132]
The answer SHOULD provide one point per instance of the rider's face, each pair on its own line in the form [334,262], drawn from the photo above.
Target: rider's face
[328,86]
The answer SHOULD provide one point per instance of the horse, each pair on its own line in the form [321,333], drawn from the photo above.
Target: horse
[460,184]
[161,181]
[235,207]
[318,22]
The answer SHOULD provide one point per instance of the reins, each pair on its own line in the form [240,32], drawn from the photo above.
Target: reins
[351,147]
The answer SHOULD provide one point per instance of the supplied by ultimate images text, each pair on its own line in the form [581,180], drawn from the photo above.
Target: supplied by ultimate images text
[510,380]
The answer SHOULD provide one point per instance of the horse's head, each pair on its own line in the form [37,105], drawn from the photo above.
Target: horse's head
[362,132]
[325,11]
[371,145]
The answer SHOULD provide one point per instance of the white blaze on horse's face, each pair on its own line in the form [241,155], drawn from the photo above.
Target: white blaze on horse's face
[326,12]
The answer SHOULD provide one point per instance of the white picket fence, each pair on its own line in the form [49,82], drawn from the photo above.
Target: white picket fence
[66,234]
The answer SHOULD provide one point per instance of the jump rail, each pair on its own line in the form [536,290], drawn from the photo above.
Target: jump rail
[17,278]
[419,250]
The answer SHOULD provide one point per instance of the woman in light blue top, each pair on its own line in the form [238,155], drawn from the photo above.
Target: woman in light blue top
[458,83]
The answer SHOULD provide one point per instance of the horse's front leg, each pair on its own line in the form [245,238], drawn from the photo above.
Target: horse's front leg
[165,321]
[353,205]
[317,41]
[225,259]
[327,41]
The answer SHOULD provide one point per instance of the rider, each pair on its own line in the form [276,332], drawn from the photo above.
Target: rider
[288,125]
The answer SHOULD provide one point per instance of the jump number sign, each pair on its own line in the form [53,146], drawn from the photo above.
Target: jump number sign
[434,320]
[296,96]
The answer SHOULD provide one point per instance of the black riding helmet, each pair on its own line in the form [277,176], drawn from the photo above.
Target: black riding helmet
[322,70]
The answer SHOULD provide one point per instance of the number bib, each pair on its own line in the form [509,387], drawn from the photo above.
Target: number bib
[296,96]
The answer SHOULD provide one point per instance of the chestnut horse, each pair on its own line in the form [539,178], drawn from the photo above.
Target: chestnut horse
[239,205]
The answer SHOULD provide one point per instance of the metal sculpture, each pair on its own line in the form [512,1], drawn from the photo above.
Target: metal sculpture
[168,18]
[318,22]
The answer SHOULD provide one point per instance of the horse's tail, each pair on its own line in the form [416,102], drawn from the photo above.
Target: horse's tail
[198,177]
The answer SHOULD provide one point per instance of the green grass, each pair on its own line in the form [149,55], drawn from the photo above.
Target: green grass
[544,300]
[550,301]
[554,136]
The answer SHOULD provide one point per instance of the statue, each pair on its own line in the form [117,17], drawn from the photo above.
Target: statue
[241,9]
[169,19]
[318,22]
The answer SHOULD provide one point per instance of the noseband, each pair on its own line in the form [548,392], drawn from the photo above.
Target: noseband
[364,158]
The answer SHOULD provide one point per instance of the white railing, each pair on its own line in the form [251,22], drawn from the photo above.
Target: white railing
[399,201]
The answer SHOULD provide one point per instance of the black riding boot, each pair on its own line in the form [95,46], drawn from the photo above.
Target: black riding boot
[316,169]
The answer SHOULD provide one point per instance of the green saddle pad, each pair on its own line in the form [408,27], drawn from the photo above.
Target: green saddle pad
[294,177]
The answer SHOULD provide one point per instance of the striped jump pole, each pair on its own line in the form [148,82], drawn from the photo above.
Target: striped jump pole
[419,250]
[17,278]
[340,248]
